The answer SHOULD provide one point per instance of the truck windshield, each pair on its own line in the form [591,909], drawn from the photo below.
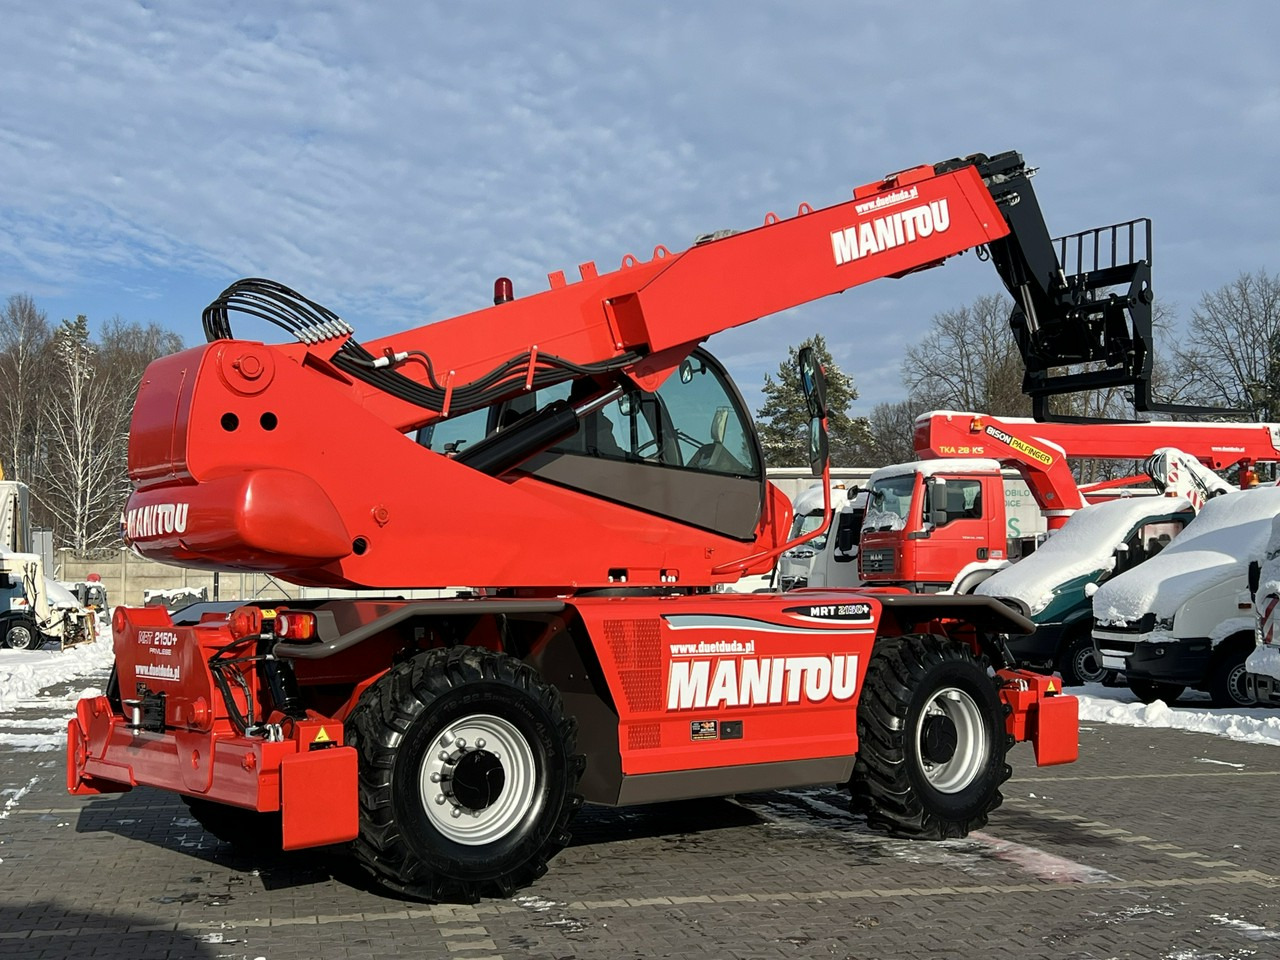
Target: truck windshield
[889,503]
[805,523]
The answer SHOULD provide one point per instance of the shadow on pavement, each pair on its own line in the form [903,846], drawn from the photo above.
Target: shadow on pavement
[51,929]
[163,820]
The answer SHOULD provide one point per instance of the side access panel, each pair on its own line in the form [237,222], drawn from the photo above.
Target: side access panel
[722,693]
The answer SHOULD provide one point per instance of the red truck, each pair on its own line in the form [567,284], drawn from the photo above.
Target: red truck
[450,741]
[939,525]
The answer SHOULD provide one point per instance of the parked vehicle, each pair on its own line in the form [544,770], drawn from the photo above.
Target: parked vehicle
[1185,617]
[1262,668]
[1054,587]
[452,740]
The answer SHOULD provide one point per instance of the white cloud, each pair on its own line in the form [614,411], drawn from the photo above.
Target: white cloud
[390,159]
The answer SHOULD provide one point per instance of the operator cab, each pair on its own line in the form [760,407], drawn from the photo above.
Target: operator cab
[686,451]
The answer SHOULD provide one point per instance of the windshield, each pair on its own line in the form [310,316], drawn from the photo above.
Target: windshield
[889,503]
[806,523]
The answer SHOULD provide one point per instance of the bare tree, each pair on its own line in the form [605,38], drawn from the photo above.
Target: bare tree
[24,348]
[1230,358]
[78,429]
[969,361]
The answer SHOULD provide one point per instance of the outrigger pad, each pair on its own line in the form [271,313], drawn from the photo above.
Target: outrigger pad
[318,798]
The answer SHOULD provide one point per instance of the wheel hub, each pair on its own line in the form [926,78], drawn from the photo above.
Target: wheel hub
[938,738]
[474,780]
[478,779]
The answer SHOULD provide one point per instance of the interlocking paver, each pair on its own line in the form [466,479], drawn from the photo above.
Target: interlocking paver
[1137,851]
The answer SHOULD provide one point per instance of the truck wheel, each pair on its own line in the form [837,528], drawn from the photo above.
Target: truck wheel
[468,776]
[1149,691]
[1080,662]
[1226,681]
[246,830]
[931,740]
[22,635]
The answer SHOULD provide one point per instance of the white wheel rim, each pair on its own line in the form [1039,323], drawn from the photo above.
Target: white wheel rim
[469,748]
[20,638]
[964,765]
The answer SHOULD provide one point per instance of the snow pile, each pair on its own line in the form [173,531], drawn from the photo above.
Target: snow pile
[1086,544]
[24,673]
[1250,726]
[1218,545]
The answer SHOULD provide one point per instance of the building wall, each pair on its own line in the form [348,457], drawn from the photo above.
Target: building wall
[126,575]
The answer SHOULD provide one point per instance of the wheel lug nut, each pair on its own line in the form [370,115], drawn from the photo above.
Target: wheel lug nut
[480,744]
[435,778]
[456,812]
[462,744]
[440,799]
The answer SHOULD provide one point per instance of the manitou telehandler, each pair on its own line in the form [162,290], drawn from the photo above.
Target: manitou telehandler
[450,741]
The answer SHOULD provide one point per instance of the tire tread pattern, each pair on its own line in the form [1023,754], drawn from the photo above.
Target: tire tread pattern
[881,786]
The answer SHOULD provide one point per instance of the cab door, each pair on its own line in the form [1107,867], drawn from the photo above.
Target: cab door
[958,516]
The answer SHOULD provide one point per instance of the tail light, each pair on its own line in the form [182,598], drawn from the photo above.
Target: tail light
[295,625]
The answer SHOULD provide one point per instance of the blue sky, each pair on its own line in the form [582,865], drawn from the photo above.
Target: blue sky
[390,159]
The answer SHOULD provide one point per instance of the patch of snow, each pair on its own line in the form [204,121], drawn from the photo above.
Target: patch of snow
[1230,531]
[36,742]
[1231,626]
[928,468]
[1255,725]
[1264,660]
[1085,544]
[24,673]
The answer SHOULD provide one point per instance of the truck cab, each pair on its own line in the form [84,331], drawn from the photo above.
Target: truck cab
[830,559]
[1185,618]
[934,526]
[1054,587]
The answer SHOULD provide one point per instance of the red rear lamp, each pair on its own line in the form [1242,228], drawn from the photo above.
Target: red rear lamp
[295,625]
[503,292]
[118,620]
[246,622]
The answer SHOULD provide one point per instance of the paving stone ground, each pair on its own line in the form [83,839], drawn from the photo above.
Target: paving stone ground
[1156,844]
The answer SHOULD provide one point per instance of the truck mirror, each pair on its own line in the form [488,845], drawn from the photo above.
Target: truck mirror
[1255,576]
[813,381]
[937,501]
[817,446]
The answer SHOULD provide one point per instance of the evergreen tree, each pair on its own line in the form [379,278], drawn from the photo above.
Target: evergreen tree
[784,417]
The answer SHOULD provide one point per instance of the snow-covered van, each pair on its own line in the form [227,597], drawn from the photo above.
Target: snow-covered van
[1262,668]
[1185,618]
[1054,586]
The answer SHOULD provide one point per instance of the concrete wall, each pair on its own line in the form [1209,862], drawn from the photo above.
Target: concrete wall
[126,575]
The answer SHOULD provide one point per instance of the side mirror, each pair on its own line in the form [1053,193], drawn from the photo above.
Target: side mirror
[937,501]
[817,446]
[813,381]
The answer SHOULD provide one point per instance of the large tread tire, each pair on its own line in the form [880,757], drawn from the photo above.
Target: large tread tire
[902,779]
[247,830]
[1080,662]
[1226,681]
[1149,691]
[399,727]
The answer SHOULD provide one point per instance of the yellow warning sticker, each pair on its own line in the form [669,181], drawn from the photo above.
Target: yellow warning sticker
[1049,689]
[322,737]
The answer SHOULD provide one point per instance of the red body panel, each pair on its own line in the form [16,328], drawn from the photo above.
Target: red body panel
[255,457]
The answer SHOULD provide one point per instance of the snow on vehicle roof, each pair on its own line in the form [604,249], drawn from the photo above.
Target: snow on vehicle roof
[1230,531]
[810,499]
[1085,544]
[929,467]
